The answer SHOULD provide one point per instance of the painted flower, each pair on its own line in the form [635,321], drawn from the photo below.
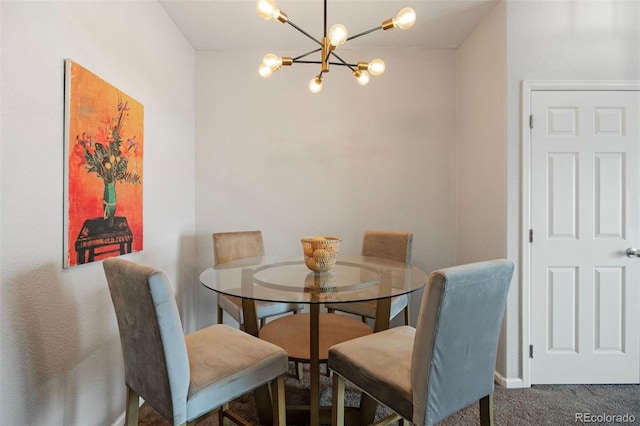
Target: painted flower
[104,153]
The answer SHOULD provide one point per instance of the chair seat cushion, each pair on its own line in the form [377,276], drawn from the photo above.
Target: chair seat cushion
[381,364]
[232,360]
[233,306]
[368,308]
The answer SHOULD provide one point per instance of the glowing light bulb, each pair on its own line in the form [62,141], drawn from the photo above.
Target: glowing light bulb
[362,77]
[337,35]
[267,9]
[315,85]
[405,18]
[272,61]
[264,70]
[377,67]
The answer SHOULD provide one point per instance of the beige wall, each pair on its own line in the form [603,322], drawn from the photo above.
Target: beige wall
[481,142]
[61,362]
[481,147]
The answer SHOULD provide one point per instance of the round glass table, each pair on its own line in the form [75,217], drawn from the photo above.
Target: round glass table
[287,279]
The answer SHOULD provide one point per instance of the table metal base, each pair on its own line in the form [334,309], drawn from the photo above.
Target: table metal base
[307,338]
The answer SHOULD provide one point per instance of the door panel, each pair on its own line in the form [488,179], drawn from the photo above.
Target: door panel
[585,212]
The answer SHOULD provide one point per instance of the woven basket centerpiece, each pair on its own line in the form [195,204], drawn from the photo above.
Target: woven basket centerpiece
[320,253]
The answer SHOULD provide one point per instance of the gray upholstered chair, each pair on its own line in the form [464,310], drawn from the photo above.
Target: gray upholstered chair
[228,246]
[392,245]
[443,365]
[184,378]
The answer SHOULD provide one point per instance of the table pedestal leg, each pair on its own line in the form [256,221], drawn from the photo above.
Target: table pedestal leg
[249,316]
[314,361]
[383,312]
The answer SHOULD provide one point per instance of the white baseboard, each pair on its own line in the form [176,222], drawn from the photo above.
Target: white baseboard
[120,420]
[507,382]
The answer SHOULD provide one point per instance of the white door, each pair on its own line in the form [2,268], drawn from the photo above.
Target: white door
[585,213]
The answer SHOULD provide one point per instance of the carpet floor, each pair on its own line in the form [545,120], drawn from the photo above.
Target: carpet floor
[554,405]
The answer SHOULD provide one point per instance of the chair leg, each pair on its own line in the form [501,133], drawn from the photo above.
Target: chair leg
[278,403]
[133,405]
[330,311]
[263,404]
[368,407]
[391,419]
[299,370]
[407,314]
[486,410]
[337,410]
[222,420]
[220,314]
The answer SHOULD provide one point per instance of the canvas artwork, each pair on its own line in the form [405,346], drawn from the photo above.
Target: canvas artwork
[104,143]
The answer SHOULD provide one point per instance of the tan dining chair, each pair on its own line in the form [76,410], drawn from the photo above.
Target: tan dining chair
[185,378]
[446,363]
[391,245]
[229,246]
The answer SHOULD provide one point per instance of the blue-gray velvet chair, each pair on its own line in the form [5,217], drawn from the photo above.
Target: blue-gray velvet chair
[392,245]
[228,246]
[443,365]
[184,378]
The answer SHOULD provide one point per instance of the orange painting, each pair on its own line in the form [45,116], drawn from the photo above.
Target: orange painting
[104,130]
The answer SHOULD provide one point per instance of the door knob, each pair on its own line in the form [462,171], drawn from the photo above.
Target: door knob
[633,252]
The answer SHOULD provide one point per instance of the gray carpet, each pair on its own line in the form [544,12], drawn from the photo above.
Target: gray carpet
[539,405]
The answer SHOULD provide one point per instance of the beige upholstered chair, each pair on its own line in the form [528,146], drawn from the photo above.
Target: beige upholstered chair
[184,378]
[443,365]
[228,246]
[392,245]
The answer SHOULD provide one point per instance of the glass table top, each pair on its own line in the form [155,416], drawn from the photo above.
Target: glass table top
[287,279]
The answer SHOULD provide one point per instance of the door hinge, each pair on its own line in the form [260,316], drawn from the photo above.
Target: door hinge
[531,121]
[530,235]
[530,351]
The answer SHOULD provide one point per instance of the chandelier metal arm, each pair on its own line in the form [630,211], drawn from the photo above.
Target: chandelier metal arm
[352,66]
[306,54]
[343,62]
[364,33]
[304,32]
[325,18]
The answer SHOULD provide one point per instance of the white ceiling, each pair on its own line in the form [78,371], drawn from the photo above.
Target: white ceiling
[234,24]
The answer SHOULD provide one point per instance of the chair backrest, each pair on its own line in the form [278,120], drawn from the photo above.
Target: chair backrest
[456,343]
[228,246]
[392,245]
[156,364]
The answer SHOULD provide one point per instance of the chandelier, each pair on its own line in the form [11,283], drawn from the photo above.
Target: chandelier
[336,36]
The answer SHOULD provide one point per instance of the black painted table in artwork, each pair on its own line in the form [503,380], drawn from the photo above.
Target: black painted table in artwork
[96,238]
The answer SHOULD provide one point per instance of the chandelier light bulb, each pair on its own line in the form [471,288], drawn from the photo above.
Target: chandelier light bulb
[267,9]
[362,77]
[265,70]
[272,61]
[315,85]
[377,67]
[337,35]
[405,19]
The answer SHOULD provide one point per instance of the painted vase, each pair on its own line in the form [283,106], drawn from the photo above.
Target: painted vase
[109,202]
